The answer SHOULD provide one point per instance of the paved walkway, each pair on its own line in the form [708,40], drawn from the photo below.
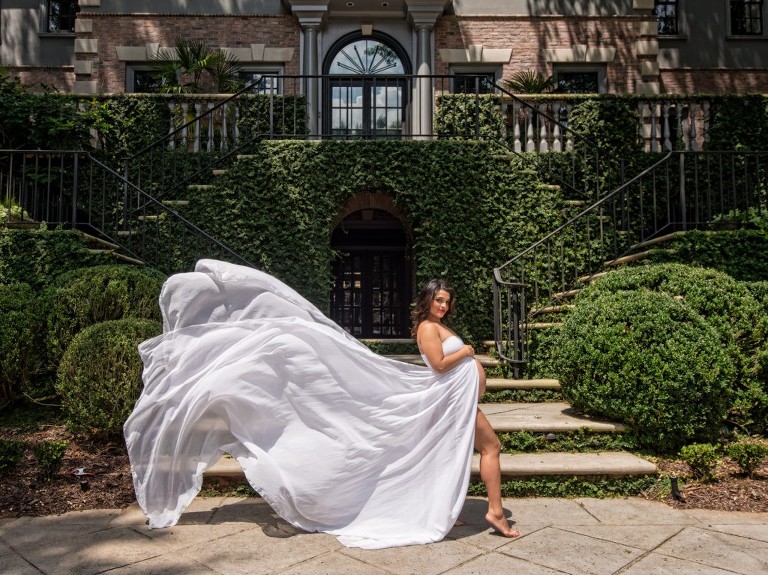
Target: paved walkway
[237,536]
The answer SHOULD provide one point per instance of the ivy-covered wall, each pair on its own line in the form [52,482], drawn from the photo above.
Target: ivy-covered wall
[467,206]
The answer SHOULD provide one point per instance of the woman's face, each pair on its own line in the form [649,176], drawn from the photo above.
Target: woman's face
[441,303]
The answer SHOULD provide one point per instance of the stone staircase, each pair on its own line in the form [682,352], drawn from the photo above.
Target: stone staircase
[546,418]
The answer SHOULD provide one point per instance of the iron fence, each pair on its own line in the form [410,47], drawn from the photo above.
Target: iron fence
[679,192]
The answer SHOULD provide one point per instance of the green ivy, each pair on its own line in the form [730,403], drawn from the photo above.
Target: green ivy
[598,487]
[467,210]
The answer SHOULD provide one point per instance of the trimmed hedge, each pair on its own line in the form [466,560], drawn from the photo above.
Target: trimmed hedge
[38,257]
[87,296]
[99,377]
[725,304]
[647,360]
[21,355]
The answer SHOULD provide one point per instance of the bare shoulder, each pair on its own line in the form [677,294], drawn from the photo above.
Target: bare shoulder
[427,330]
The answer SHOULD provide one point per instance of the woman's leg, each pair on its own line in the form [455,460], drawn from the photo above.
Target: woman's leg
[489,447]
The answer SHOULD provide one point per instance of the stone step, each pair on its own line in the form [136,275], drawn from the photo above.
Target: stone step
[485,360]
[219,172]
[542,417]
[499,383]
[605,463]
[152,218]
[659,240]
[25,225]
[200,187]
[94,240]
[553,309]
[175,203]
[637,257]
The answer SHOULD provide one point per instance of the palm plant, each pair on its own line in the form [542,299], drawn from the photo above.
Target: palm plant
[530,82]
[193,64]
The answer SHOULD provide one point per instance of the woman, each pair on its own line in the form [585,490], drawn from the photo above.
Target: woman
[443,351]
[333,436]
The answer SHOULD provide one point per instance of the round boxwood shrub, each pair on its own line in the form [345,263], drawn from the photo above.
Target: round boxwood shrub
[728,306]
[20,337]
[645,359]
[87,296]
[99,377]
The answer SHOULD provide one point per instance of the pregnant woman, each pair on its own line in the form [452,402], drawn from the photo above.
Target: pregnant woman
[333,436]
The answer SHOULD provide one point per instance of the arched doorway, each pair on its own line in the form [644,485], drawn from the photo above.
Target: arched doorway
[372,278]
[365,93]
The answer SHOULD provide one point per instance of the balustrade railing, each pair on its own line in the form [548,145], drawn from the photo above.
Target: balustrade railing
[681,191]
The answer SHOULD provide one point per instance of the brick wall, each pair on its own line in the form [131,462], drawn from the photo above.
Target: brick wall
[61,79]
[529,37]
[218,31]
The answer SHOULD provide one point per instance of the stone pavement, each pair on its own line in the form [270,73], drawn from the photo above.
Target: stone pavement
[229,536]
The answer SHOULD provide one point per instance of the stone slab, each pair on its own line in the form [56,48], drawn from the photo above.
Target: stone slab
[662,565]
[571,552]
[502,383]
[422,559]
[97,552]
[720,550]
[572,464]
[544,511]
[645,537]
[252,552]
[499,563]
[634,511]
[712,517]
[544,417]
[334,564]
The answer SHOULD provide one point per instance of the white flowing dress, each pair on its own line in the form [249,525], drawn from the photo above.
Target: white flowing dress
[333,436]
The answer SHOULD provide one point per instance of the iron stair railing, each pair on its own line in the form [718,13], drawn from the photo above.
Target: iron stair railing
[681,191]
[74,189]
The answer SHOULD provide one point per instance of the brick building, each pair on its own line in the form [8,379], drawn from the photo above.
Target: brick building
[615,46]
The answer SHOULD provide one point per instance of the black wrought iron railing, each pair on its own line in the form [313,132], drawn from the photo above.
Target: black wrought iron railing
[681,191]
[73,189]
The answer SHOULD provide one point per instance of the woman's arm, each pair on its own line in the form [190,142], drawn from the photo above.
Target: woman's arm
[428,340]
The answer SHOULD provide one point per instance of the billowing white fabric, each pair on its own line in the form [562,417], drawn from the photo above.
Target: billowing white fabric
[333,436]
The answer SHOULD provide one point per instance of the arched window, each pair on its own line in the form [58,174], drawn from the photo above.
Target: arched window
[365,92]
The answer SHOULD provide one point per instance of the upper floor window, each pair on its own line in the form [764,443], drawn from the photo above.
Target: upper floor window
[747,17]
[474,83]
[667,18]
[60,15]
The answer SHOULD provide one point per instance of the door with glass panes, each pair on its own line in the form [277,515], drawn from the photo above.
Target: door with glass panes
[372,288]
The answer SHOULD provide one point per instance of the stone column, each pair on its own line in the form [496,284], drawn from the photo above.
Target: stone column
[311,68]
[422,105]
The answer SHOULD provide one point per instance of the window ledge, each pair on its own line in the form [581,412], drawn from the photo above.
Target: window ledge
[56,34]
[758,37]
[675,37]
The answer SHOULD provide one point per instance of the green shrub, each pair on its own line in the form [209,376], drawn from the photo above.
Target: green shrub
[702,458]
[739,253]
[49,456]
[99,376]
[11,452]
[738,123]
[21,330]
[468,116]
[89,296]
[729,307]
[649,361]
[748,454]
[38,257]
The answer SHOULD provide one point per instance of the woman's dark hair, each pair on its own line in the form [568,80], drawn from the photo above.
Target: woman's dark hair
[423,302]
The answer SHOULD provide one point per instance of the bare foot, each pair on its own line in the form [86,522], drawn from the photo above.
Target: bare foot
[501,526]
[459,523]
